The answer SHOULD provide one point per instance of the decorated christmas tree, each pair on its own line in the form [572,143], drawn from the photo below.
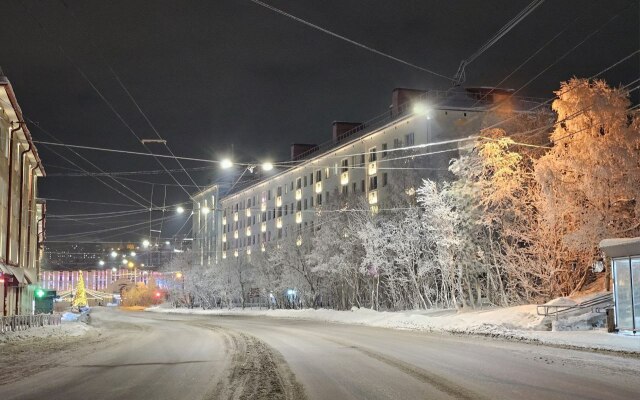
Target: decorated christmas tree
[80,299]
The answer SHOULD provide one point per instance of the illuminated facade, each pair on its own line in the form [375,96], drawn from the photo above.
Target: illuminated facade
[356,161]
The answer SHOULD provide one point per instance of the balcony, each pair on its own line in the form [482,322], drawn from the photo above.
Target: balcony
[373,168]
[373,197]
[344,178]
[318,187]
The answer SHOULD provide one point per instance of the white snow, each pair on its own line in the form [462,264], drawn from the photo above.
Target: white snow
[515,323]
[66,329]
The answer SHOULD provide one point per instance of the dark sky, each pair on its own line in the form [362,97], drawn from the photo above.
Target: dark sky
[210,74]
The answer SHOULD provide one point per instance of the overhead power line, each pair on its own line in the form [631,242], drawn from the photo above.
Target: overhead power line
[101,95]
[351,41]
[460,74]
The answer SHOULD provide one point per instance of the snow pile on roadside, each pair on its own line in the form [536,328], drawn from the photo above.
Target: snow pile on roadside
[66,329]
[519,323]
[520,317]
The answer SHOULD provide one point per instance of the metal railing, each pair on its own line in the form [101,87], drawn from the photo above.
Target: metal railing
[16,323]
[596,304]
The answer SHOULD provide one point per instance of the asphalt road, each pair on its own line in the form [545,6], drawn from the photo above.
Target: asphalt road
[158,356]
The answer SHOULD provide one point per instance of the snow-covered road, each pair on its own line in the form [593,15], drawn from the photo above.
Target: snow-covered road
[160,356]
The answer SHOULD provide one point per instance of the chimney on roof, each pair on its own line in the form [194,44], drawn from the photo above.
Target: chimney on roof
[342,130]
[300,149]
[401,96]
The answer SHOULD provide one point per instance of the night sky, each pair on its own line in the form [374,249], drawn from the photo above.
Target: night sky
[210,74]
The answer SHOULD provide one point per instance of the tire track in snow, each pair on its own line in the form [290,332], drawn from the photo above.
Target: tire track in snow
[256,371]
[442,384]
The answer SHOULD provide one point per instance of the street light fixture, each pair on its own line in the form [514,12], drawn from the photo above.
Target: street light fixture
[205,210]
[114,254]
[267,166]
[180,209]
[226,164]
[101,263]
[124,261]
[145,243]
[420,109]
[133,254]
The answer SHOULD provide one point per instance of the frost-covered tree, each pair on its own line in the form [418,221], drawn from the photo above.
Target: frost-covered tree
[590,179]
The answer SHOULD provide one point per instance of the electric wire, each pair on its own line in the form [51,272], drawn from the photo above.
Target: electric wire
[346,39]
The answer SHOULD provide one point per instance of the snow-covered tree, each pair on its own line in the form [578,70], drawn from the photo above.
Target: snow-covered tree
[590,179]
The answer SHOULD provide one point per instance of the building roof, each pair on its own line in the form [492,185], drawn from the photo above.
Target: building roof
[480,99]
[621,247]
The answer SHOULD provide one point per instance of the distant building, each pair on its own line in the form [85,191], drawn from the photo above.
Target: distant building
[99,255]
[21,215]
[74,256]
[357,160]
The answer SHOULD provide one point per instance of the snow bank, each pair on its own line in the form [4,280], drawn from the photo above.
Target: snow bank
[520,317]
[66,329]
[514,323]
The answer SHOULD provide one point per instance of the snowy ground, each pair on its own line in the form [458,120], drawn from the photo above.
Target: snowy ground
[514,323]
[66,329]
[25,353]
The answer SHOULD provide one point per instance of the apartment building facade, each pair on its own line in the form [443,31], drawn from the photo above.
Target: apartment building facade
[358,160]
[21,214]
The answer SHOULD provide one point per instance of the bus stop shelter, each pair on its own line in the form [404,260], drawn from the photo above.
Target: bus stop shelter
[625,272]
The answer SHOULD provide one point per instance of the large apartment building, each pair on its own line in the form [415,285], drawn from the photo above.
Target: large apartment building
[358,160]
[21,214]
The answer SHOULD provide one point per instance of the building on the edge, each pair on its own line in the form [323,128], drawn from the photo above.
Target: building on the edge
[356,160]
[21,214]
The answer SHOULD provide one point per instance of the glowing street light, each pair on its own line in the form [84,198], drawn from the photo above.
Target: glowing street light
[267,166]
[101,263]
[130,264]
[145,243]
[133,254]
[124,261]
[114,254]
[178,275]
[180,209]
[205,210]
[167,243]
[420,109]
[114,269]
[226,164]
